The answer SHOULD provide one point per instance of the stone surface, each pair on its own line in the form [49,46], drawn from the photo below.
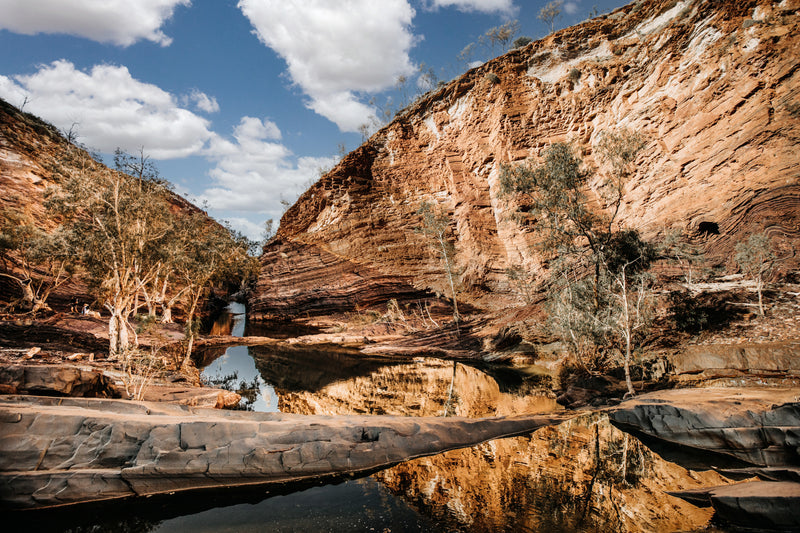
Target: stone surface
[765,358]
[57,380]
[753,427]
[760,504]
[713,86]
[757,430]
[62,451]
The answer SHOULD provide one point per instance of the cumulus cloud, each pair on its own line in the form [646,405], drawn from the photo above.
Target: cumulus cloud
[254,172]
[109,109]
[485,6]
[252,230]
[120,22]
[201,101]
[337,51]
[571,8]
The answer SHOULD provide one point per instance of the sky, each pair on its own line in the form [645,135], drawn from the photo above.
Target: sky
[242,104]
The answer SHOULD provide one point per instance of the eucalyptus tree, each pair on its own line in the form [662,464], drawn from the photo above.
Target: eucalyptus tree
[120,225]
[756,259]
[207,253]
[435,225]
[37,260]
[597,267]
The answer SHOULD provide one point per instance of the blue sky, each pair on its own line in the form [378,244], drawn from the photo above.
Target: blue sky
[240,103]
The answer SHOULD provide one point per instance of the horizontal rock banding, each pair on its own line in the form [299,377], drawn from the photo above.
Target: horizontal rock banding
[717,99]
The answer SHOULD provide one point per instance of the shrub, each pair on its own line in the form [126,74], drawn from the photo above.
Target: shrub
[574,74]
[519,42]
[492,77]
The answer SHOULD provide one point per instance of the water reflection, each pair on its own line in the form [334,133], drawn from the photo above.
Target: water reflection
[235,368]
[583,475]
[359,505]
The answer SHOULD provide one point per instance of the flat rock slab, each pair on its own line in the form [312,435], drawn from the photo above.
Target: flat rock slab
[746,427]
[760,504]
[56,452]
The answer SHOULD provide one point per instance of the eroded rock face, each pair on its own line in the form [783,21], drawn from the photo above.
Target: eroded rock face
[63,451]
[56,380]
[760,504]
[758,427]
[713,86]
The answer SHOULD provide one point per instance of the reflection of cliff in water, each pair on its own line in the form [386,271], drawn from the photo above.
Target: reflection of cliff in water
[338,381]
[583,475]
[557,479]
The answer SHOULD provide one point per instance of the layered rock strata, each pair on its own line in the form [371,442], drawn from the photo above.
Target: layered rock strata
[714,87]
[57,452]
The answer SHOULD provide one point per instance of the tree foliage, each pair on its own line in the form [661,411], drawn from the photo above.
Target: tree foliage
[601,299]
[134,243]
[38,261]
[435,225]
[550,12]
[756,260]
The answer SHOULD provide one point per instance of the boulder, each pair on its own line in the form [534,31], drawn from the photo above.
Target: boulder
[723,426]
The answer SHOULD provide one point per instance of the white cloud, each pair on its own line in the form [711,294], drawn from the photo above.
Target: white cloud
[485,6]
[121,22]
[251,230]
[336,50]
[201,101]
[110,109]
[254,173]
[570,8]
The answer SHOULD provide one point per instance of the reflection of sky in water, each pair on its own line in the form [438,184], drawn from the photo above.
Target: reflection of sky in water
[237,359]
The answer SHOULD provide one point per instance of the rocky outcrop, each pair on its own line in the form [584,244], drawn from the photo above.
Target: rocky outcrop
[57,452]
[739,431]
[758,427]
[764,360]
[56,380]
[760,504]
[713,86]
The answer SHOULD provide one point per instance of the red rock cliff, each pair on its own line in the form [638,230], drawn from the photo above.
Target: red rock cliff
[714,86]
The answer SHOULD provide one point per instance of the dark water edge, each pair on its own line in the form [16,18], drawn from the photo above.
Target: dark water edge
[334,504]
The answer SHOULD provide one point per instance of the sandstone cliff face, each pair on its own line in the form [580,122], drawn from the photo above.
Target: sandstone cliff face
[713,86]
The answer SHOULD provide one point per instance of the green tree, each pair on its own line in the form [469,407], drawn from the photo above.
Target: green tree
[689,256]
[120,225]
[208,253]
[549,13]
[38,261]
[756,260]
[435,226]
[599,266]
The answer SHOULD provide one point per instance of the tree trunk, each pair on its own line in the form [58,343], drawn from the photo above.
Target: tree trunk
[190,326]
[166,315]
[759,287]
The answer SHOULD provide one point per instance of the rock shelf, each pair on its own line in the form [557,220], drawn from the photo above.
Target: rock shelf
[57,452]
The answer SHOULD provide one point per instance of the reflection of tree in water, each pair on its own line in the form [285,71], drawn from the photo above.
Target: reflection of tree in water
[248,390]
[583,475]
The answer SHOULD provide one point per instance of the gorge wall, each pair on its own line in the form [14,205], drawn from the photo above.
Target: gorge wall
[713,86]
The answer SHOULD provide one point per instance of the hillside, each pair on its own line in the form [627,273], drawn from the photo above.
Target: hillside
[714,87]
[35,156]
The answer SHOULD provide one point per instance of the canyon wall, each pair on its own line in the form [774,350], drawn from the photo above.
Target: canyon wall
[714,88]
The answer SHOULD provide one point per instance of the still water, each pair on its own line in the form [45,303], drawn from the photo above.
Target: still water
[582,475]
